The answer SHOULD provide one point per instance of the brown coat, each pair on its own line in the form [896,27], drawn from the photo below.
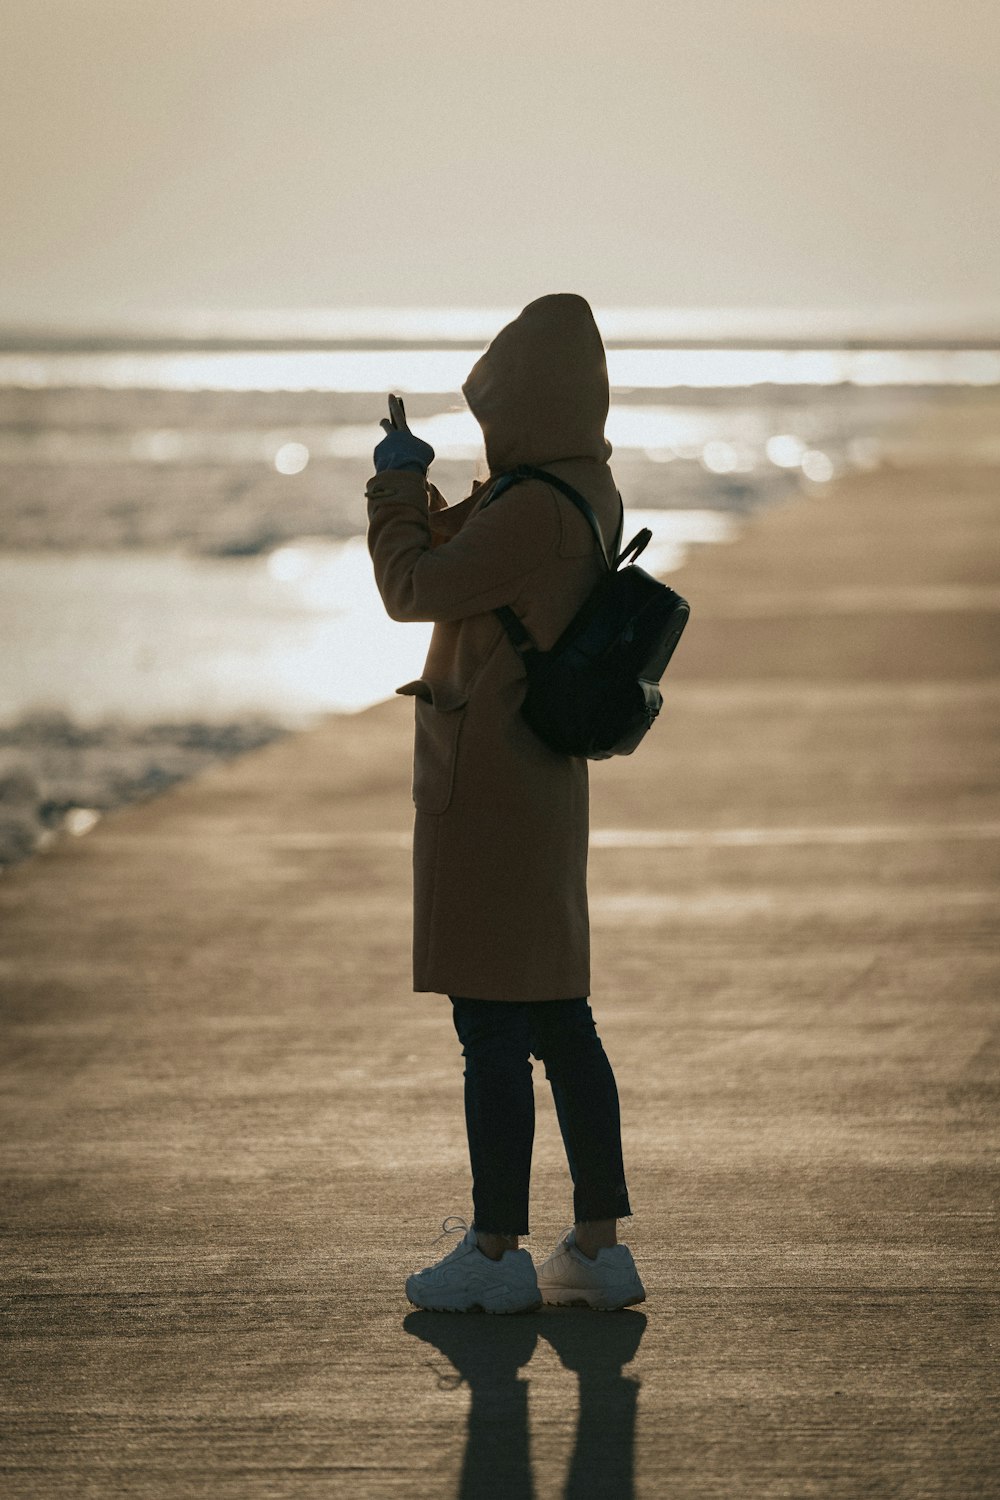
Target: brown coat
[501,828]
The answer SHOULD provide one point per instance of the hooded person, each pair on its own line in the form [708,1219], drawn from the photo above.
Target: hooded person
[501,820]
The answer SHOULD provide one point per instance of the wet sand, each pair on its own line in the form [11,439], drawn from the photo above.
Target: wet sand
[232,1129]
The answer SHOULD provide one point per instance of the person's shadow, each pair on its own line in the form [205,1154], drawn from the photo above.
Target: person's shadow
[486,1354]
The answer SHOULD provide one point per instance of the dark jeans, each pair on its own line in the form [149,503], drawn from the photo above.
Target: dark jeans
[498,1038]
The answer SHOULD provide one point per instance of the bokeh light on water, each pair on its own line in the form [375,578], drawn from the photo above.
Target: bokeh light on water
[291,458]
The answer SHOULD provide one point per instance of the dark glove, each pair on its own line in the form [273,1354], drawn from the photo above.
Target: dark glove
[400,449]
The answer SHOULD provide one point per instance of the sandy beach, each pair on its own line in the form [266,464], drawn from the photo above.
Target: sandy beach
[232,1129]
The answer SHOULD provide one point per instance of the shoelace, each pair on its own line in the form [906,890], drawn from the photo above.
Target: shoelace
[451,1225]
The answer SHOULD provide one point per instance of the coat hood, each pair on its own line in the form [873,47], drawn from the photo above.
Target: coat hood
[540,391]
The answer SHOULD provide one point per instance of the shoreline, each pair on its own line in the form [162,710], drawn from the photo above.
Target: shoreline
[58,778]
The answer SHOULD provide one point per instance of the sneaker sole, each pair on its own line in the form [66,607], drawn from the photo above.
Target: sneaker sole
[476,1307]
[574,1296]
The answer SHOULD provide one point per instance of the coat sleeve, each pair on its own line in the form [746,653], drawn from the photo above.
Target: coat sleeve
[483,566]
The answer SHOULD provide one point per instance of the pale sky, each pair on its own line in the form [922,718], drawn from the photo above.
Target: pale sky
[164,155]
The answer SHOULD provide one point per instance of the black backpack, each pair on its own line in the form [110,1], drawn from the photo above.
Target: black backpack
[595,693]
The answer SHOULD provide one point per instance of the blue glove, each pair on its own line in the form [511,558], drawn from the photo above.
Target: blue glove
[400,449]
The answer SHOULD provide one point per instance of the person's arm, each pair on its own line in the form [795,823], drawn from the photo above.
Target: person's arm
[483,566]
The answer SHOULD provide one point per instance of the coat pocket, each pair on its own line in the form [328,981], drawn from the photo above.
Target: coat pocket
[440,710]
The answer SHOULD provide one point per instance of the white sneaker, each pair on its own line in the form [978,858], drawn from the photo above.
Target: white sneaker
[466,1280]
[571,1279]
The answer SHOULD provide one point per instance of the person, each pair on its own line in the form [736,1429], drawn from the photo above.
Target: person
[501,821]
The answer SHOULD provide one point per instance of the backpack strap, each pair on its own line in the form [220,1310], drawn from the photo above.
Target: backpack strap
[528,471]
[516,632]
[618,554]
[638,544]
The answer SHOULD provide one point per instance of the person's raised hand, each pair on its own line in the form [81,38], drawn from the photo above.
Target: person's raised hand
[400,448]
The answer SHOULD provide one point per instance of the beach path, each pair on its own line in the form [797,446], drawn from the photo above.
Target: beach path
[231,1130]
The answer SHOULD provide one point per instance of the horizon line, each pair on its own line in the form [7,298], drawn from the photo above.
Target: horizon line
[899,326]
